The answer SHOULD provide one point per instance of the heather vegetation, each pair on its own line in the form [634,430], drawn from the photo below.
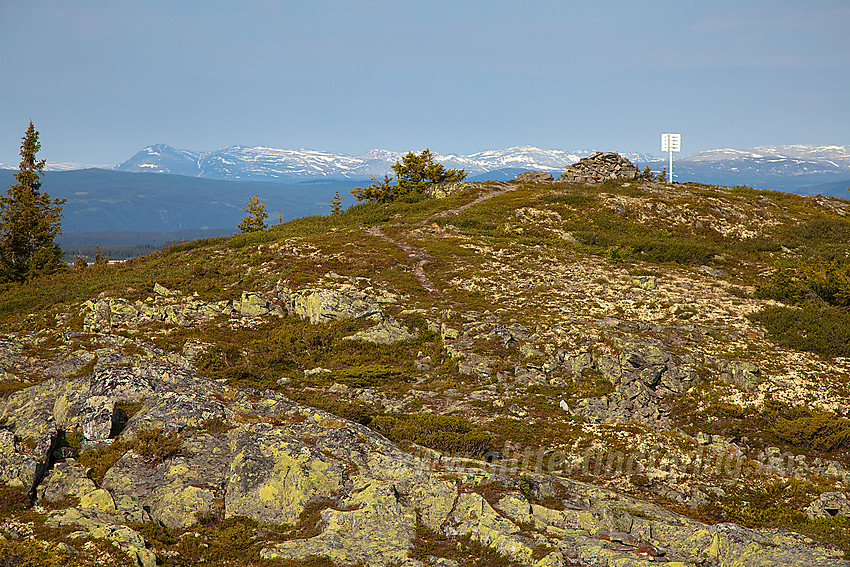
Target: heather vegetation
[542,323]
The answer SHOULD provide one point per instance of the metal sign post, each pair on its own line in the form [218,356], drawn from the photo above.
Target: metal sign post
[671,143]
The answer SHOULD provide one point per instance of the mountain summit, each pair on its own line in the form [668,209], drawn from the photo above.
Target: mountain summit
[536,374]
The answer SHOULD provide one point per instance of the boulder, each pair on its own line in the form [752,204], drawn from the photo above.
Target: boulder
[98,417]
[273,475]
[320,305]
[828,505]
[535,177]
[744,375]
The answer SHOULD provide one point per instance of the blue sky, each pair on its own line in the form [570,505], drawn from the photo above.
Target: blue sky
[102,79]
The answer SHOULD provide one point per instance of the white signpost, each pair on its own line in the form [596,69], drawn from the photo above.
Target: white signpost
[671,143]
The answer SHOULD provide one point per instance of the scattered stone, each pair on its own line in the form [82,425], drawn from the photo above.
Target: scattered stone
[716,272]
[162,290]
[828,505]
[645,282]
[744,375]
[703,438]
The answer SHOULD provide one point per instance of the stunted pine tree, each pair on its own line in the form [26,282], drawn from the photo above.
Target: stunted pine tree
[414,174]
[256,218]
[29,220]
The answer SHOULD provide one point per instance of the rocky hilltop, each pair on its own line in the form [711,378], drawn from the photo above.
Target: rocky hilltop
[588,372]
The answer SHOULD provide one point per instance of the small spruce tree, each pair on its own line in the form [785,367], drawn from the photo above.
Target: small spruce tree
[29,220]
[100,259]
[336,203]
[256,218]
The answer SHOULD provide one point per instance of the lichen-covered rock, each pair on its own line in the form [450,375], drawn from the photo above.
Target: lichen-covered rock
[375,527]
[10,354]
[745,375]
[255,305]
[70,364]
[100,524]
[443,190]
[828,505]
[177,491]
[17,467]
[273,475]
[29,412]
[103,315]
[174,411]
[320,305]
[386,332]
[98,417]
[66,478]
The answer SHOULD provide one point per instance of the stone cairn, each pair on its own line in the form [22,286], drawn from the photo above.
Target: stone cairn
[600,167]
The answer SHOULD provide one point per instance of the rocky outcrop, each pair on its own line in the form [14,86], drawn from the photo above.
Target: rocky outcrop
[322,305]
[280,457]
[386,332]
[169,307]
[600,167]
[535,177]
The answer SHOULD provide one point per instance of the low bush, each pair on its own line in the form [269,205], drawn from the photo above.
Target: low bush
[782,287]
[351,410]
[447,433]
[806,428]
[821,330]
[9,387]
[367,376]
[13,499]
[156,444]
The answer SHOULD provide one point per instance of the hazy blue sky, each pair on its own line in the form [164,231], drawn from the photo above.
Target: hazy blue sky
[102,79]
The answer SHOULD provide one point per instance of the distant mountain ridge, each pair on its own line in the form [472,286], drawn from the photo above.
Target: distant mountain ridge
[271,164]
[804,169]
[796,168]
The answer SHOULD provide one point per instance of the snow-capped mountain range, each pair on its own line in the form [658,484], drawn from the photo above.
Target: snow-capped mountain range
[795,168]
[838,156]
[272,164]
